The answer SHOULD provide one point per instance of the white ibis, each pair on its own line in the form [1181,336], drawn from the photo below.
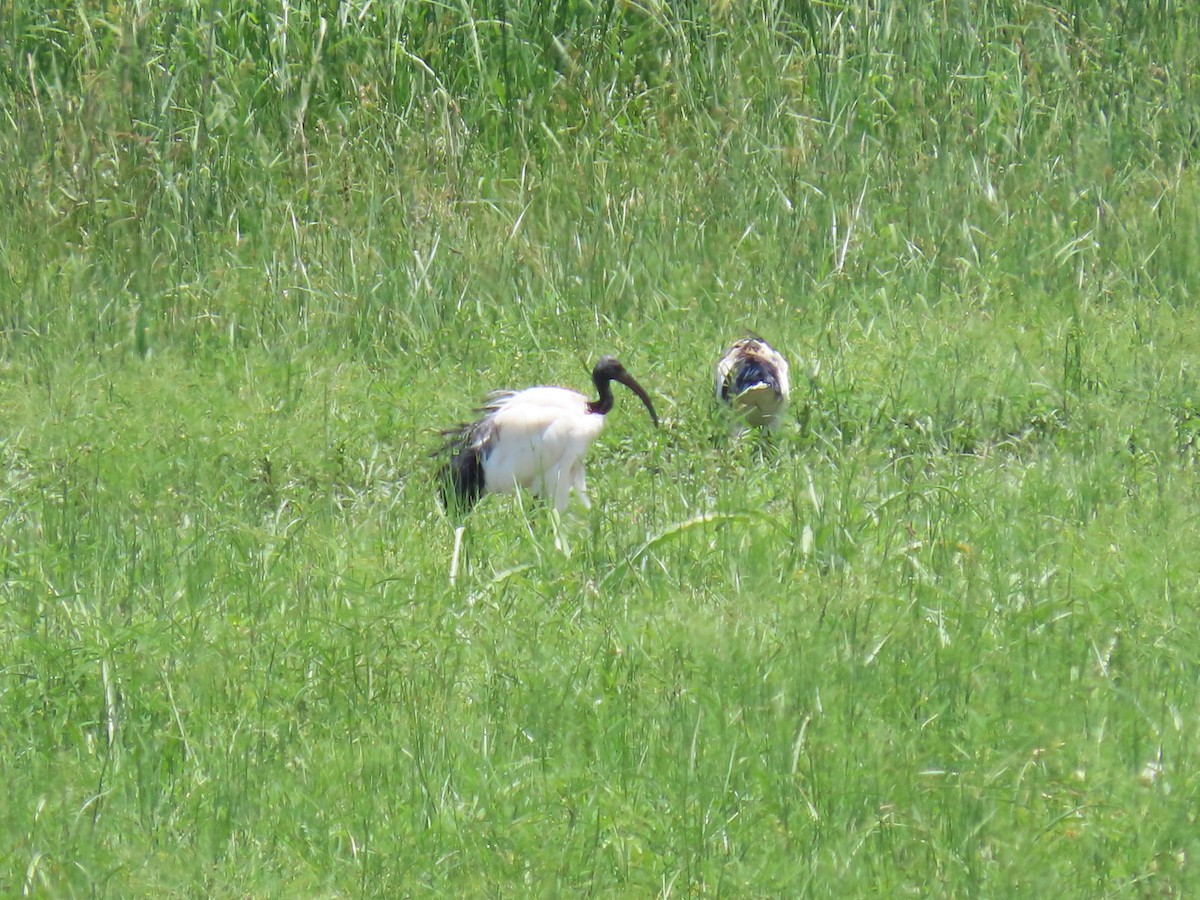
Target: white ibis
[534,439]
[752,379]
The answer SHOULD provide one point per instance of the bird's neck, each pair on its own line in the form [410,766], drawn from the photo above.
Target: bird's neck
[605,403]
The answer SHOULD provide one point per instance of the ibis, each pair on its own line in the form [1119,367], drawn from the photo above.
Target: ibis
[752,379]
[533,439]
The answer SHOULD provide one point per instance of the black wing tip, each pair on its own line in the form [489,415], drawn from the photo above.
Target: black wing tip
[452,439]
[461,478]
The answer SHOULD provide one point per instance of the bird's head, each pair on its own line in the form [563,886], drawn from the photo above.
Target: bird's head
[608,369]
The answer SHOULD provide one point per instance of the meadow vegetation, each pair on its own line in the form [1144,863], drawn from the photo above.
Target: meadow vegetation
[939,638]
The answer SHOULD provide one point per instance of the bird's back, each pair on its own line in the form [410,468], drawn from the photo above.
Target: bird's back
[750,363]
[752,373]
[752,377]
[536,429]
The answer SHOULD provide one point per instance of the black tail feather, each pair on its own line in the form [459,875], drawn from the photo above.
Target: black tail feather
[461,477]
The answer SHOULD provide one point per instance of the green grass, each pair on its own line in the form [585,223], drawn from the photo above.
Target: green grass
[939,638]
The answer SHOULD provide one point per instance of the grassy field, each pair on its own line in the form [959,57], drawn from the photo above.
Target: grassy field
[940,638]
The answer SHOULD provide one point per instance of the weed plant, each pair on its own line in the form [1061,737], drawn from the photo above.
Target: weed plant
[938,638]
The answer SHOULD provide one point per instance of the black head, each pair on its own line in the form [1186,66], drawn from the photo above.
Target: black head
[609,369]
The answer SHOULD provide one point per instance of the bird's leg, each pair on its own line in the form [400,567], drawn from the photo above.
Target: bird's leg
[458,539]
[579,482]
[560,537]
[561,482]
[556,482]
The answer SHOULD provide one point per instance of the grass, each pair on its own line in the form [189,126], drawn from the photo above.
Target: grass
[938,638]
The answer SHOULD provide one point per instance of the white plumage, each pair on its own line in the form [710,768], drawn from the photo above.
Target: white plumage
[752,379]
[533,439]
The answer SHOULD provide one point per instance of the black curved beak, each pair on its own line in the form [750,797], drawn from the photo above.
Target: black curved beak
[628,380]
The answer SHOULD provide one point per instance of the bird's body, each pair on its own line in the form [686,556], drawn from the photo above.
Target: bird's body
[752,379]
[533,439]
[537,442]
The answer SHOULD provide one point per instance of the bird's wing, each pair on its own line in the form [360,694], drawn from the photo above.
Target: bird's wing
[556,398]
[747,361]
[533,410]
[725,369]
[496,400]
[775,359]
